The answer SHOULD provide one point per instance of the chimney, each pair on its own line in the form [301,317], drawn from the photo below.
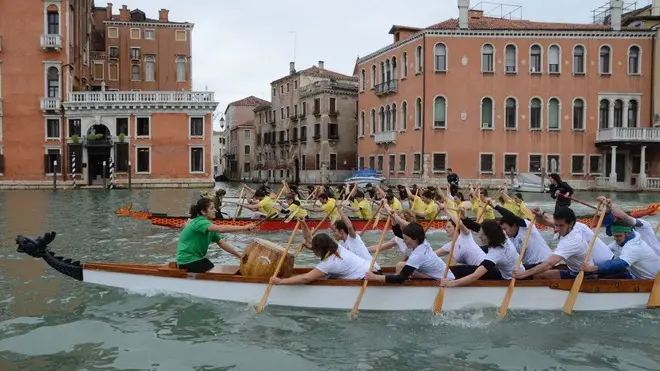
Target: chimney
[463,14]
[163,15]
[615,17]
[321,65]
[108,11]
[655,8]
[292,68]
[124,14]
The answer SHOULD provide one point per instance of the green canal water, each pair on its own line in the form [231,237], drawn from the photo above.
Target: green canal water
[51,322]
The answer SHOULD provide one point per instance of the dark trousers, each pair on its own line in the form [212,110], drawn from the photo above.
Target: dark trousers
[200,266]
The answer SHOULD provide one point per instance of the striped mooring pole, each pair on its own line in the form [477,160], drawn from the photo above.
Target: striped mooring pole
[111,167]
[73,169]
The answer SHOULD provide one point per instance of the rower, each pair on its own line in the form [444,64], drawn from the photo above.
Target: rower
[336,261]
[422,263]
[345,234]
[572,247]
[217,201]
[642,227]
[360,206]
[199,233]
[424,206]
[400,219]
[634,254]
[264,208]
[516,228]
[478,199]
[293,209]
[327,206]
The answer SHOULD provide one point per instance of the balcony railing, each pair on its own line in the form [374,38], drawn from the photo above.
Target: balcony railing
[50,104]
[643,135]
[48,41]
[386,137]
[387,87]
[140,97]
[92,142]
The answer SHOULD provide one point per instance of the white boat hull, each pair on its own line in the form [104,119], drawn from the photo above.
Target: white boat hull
[363,181]
[377,297]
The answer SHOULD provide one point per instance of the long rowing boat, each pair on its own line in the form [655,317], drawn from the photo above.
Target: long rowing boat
[270,225]
[227,284]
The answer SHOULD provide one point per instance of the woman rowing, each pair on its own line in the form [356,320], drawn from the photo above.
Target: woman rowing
[199,233]
[344,232]
[424,206]
[360,206]
[293,209]
[336,261]
[328,206]
[400,219]
[264,208]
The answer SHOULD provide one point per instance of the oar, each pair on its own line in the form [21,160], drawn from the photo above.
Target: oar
[299,249]
[577,284]
[262,303]
[312,193]
[428,226]
[372,218]
[580,202]
[509,291]
[654,298]
[595,218]
[240,207]
[371,268]
[440,297]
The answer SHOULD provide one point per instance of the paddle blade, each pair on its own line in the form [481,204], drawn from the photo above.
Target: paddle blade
[654,298]
[354,311]
[439,298]
[572,296]
[507,299]
[262,303]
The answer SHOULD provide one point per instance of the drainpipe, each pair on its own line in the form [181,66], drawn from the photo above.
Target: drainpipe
[423,101]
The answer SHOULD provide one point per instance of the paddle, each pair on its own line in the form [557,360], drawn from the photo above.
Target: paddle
[509,291]
[314,231]
[580,202]
[595,218]
[440,297]
[371,268]
[262,303]
[240,207]
[428,226]
[372,218]
[577,284]
[654,297]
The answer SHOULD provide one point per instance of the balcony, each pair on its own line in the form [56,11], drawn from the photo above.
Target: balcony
[272,123]
[387,87]
[131,100]
[333,112]
[386,137]
[97,142]
[50,104]
[48,42]
[628,135]
[302,116]
[294,118]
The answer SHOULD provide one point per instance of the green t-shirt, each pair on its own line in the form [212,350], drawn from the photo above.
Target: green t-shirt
[194,241]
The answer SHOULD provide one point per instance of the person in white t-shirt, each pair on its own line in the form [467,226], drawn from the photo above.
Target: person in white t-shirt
[572,247]
[345,234]
[643,228]
[400,219]
[633,254]
[423,263]
[336,261]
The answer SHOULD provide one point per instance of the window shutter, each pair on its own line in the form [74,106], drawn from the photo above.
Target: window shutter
[45,164]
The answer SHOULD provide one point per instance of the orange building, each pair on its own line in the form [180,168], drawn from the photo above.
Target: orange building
[76,80]
[486,96]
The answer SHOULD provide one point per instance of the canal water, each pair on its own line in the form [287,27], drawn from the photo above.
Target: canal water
[51,322]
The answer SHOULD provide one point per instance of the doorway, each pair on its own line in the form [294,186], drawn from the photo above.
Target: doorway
[620,166]
[95,158]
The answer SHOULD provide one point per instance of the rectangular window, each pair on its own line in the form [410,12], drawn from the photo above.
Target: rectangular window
[317,106]
[304,109]
[143,160]
[390,163]
[333,105]
[333,161]
[98,71]
[135,33]
[417,162]
[595,165]
[136,72]
[511,163]
[135,53]
[379,167]
[53,161]
[113,33]
[333,131]
[402,163]
[360,162]
[317,162]
[247,150]
[535,163]
[180,35]
[246,167]
[53,20]
[246,134]
[196,159]
[149,34]
[113,71]
[577,165]
[196,126]
[486,163]
[121,125]
[143,127]
[303,160]
[75,128]
[439,162]
[121,157]
[52,128]
[372,162]
[552,164]
[288,112]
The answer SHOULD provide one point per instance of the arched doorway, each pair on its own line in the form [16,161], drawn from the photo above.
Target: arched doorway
[98,144]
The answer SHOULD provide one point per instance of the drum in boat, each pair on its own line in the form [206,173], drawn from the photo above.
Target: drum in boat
[260,259]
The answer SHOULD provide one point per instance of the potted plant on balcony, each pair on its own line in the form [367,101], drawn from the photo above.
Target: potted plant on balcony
[75,139]
[122,137]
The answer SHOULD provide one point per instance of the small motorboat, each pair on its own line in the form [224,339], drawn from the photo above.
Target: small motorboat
[364,177]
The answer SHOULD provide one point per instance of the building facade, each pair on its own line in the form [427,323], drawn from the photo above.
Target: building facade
[308,133]
[240,137]
[489,96]
[85,92]
[219,149]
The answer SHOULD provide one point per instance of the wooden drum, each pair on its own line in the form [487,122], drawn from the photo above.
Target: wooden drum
[260,260]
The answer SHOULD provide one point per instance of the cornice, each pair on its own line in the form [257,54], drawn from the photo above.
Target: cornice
[131,108]
[187,26]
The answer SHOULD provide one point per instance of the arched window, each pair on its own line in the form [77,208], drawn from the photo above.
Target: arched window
[418,113]
[440,113]
[535,114]
[578,114]
[618,113]
[486,113]
[419,63]
[393,68]
[388,119]
[487,58]
[394,117]
[554,58]
[382,72]
[553,114]
[633,60]
[511,59]
[372,122]
[149,68]
[535,59]
[632,113]
[373,76]
[53,82]
[381,119]
[511,119]
[404,116]
[363,80]
[53,20]
[180,69]
[604,114]
[362,122]
[404,65]
[440,56]
[578,60]
[605,55]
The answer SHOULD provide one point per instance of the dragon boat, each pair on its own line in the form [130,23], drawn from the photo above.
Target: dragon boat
[226,283]
[270,225]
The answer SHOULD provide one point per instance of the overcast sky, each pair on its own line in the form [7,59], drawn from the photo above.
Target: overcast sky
[239,47]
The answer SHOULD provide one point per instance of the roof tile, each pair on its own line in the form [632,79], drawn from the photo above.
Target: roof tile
[491,23]
[250,101]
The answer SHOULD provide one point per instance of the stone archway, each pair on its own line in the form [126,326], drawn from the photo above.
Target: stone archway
[99,129]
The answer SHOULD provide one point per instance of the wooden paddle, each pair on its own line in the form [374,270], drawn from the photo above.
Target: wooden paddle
[262,303]
[595,218]
[654,297]
[577,284]
[371,268]
[299,249]
[240,207]
[581,202]
[372,218]
[428,226]
[440,297]
[509,291]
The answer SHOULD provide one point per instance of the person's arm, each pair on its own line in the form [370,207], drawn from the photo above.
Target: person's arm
[454,219]
[568,190]
[474,277]
[553,191]
[347,221]
[251,207]
[471,224]
[608,267]
[229,248]
[503,211]
[543,218]
[546,265]
[396,229]
[301,279]
[231,228]
[402,277]
[386,246]
[620,214]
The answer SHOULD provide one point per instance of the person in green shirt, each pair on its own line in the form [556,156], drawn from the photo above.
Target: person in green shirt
[199,233]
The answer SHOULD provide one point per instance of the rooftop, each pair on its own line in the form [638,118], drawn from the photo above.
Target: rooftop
[250,101]
[315,71]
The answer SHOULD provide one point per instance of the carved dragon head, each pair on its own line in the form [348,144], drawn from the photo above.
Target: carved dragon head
[36,247]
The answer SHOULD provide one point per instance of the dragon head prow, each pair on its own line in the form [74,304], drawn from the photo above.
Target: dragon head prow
[36,247]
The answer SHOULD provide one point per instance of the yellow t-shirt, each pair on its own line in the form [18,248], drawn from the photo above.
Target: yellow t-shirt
[513,207]
[365,210]
[296,211]
[328,207]
[354,203]
[266,206]
[396,205]
[419,205]
[431,210]
[488,212]
[522,207]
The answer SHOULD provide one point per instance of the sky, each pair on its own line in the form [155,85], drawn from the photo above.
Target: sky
[239,47]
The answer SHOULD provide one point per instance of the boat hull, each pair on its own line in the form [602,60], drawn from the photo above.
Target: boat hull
[411,296]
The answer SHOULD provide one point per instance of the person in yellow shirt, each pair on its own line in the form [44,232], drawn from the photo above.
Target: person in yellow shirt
[327,206]
[293,209]
[418,204]
[264,208]
[361,206]
[393,202]
[478,202]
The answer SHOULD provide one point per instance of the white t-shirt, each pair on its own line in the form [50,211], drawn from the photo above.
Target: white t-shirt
[647,234]
[402,246]
[573,248]
[505,259]
[466,250]
[537,250]
[600,253]
[357,247]
[349,266]
[425,261]
[643,263]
